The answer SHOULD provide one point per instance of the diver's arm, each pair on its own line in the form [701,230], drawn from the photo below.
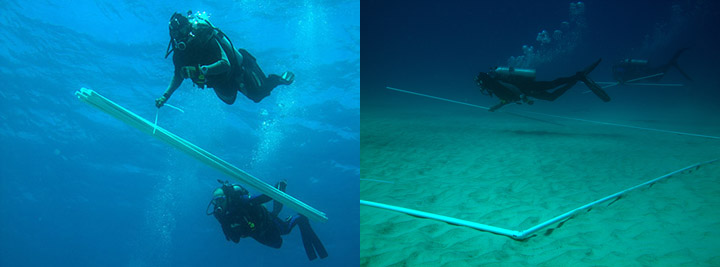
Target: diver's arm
[260,199]
[220,66]
[174,85]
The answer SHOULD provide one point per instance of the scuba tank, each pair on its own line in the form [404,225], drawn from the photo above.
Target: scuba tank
[629,61]
[514,74]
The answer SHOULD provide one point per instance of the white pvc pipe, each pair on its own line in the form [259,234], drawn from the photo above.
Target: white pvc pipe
[524,234]
[435,97]
[527,233]
[643,78]
[450,220]
[563,117]
[375,180]
[98,101]
[176,108]
[609,84]
[658,84]
[627,126]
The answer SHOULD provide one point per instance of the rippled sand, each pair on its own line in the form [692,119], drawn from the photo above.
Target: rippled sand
[514,172]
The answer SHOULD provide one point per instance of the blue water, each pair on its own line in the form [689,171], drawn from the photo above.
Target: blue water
[438,47]
[79,188]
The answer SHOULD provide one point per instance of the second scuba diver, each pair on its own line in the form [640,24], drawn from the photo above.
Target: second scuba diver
[638,70]
[242,215]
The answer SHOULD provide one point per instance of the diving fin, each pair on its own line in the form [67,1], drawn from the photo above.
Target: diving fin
[673,62]
[591,67]
[595,88]
[682,71]
[311,242]
[287,77]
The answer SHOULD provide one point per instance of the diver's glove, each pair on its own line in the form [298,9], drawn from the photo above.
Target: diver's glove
[160,101]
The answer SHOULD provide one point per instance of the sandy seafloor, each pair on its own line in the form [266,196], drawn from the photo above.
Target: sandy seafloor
[512,172]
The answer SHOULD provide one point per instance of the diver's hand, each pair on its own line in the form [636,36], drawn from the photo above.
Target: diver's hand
[160,101]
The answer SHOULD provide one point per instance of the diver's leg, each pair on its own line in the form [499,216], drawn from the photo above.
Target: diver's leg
[271,237]
[257,85]
[545,95]
[265,86]
[549,85]
[288,224]
[226,95]
[277,206]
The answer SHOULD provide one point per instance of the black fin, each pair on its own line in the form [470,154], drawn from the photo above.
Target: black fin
[673,62]
[591,67]
[682,72]
[595,88]
[311,241]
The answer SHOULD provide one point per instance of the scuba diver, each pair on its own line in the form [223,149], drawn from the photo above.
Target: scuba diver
[632,70]
[513,85]
[242,215]
[204,54]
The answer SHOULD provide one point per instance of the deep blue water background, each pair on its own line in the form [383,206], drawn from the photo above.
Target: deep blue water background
[438,47]
[79,188]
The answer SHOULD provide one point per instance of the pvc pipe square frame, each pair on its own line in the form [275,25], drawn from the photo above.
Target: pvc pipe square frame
[528,233]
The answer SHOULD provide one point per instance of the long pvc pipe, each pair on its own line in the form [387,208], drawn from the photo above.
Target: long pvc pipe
[435,97]
[450,220]
[376,180]
[627,126]
[658,84]
[527,233]
[468,104]
[524,234]
[611,84]
[98,101]
[563,117]
[646,77]
[630,82]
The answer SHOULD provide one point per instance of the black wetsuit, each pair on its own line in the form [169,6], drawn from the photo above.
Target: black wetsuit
[518,90]
[246,216]
[244,75]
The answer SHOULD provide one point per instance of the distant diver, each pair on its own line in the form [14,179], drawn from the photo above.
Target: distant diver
[204,54]
[638,70]
[514,85]
[242,215]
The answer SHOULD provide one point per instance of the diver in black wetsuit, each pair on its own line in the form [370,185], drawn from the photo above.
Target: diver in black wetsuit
[241,215]
[638,70]
[518,85]
[206,55]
